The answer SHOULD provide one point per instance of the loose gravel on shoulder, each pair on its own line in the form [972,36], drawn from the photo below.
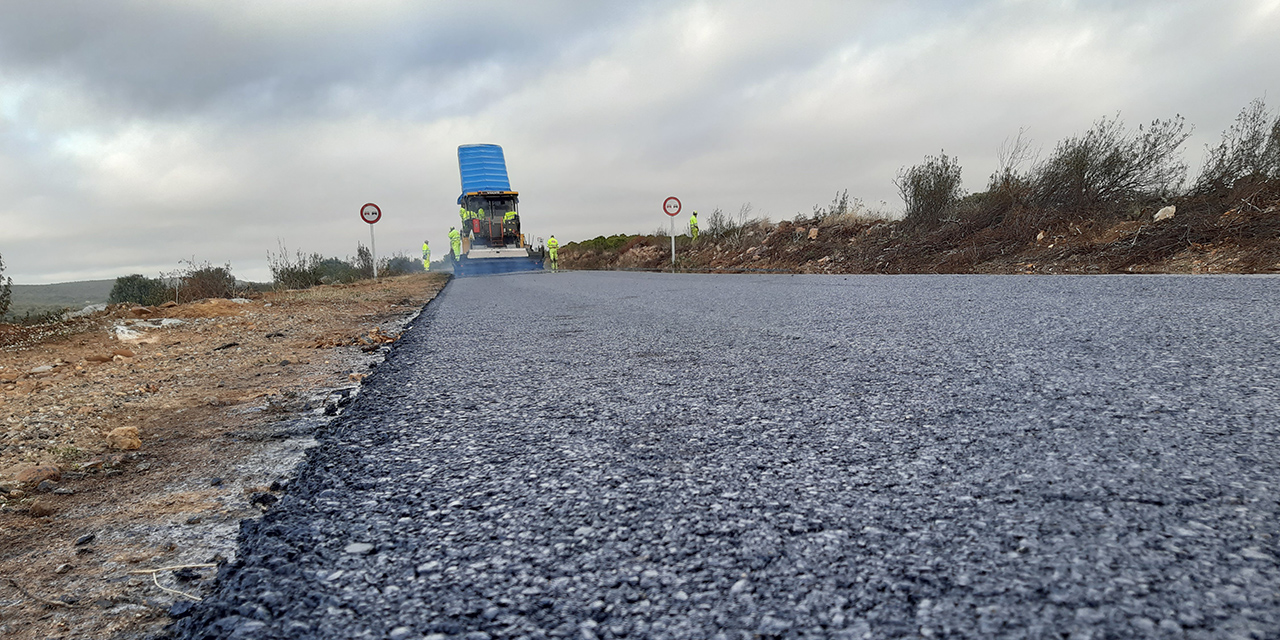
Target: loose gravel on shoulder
[611,455]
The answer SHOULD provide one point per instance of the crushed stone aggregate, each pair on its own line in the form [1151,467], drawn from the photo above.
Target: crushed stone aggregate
[626,455]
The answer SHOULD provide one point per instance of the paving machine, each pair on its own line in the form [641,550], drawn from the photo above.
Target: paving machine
[492,241]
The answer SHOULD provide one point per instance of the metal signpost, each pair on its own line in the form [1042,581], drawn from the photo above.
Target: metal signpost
[672,208]
[371,213]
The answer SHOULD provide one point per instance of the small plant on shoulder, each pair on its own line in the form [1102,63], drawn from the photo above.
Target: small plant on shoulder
[1249,151]
[363,262]
[931,190]
[6,290]
[1011,184]
[844,212]
[301,271]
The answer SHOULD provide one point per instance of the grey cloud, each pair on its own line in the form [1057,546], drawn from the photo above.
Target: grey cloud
[173,59]
[133,135]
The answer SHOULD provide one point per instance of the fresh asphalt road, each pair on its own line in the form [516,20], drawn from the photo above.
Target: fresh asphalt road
[609,455]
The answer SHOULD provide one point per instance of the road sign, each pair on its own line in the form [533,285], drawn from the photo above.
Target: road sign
[671,206]
[370,213]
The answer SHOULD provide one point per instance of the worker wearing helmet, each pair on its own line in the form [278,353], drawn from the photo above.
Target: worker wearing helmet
[553,247]
[426,256]
[455,243]
[693,226]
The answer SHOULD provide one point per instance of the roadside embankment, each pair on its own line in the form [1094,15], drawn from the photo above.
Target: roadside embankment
[137,438]
[1236,232]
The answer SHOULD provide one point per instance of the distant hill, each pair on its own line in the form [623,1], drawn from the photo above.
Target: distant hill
[38,298]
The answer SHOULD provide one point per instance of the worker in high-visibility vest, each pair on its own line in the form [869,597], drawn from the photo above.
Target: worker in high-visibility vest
[553,246]
[509,223]
[455,243]
[693,226]
[426,256]
[552,250]
[466,215]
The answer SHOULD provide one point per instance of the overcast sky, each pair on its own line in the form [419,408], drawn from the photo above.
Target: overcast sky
[135,134]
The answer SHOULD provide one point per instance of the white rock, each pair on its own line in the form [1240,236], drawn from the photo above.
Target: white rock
[125,334]
[1165,213]
[89,310]
[241,300]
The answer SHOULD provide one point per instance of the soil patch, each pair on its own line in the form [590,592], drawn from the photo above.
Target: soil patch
[144,435]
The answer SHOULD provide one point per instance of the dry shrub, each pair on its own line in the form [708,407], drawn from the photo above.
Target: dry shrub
[1249,150]
[1108,169]
[931,190]
[207,281]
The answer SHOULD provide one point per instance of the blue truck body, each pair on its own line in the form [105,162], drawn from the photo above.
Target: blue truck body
[483,168]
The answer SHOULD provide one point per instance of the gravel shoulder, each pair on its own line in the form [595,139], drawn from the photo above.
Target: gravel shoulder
[670,456]
[225,397]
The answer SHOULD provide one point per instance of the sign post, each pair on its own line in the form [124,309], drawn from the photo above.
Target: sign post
[671,206]
[371,213]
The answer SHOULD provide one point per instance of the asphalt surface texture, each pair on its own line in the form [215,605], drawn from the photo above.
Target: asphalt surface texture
[630,455]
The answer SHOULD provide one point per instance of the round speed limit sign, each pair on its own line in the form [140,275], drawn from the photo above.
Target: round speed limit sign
[671,206]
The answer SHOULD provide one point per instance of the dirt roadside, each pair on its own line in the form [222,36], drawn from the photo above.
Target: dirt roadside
[136,439]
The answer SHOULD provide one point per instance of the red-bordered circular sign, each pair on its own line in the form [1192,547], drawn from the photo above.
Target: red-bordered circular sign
[671,206]
[370,213]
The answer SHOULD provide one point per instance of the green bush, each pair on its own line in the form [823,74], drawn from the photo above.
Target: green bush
[399,265]
[204,281]
[138,289]
[601,243]
[931,190]
[336,271]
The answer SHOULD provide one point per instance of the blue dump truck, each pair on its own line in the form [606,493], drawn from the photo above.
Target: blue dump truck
[492,241]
